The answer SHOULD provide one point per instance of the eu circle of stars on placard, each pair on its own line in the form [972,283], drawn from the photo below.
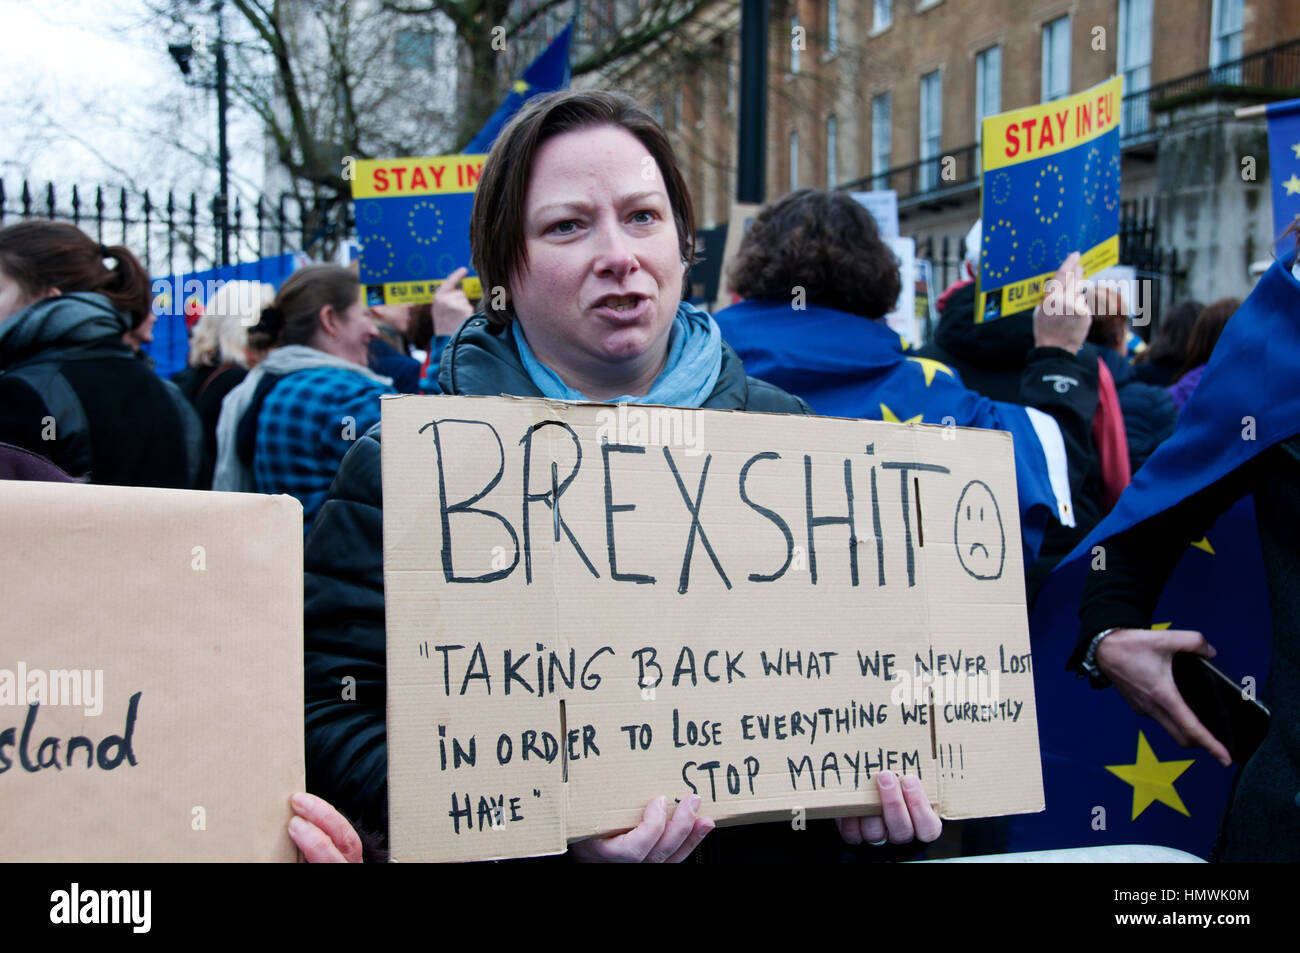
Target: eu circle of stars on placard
[425,229]
[1050,185]
[998,270]
[378,247]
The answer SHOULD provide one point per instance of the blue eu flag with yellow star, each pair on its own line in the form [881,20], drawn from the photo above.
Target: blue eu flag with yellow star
[1111,776]
[1284,164]
[547,73]
[844,365]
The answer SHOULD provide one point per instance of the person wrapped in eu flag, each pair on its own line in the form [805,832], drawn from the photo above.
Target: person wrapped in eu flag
[817,280]
[1238,435]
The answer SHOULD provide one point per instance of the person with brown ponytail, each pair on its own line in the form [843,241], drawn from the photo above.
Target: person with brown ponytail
[288,425]
[71,389]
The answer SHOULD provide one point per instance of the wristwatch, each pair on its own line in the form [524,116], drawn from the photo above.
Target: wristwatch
[1089,665]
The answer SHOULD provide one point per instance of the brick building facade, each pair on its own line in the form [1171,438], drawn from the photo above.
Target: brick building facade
[889,94]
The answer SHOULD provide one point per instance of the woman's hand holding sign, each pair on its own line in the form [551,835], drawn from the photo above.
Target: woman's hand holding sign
[905,815]
[658,839]
[322,834]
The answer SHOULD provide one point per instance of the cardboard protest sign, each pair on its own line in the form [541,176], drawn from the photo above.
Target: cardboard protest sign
[412,219]
[926,316]
[590,606]
[902,319]
[151,680]
[742,214]
[1050,186]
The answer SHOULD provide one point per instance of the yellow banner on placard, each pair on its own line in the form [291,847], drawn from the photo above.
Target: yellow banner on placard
[429,175]
[421,292]
[1023,295]
[1048,128]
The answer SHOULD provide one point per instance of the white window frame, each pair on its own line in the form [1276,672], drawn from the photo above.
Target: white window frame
[832,152]
[986,103]
[1133,59]
[794,50]
[882,15]
[1050,61]
[881,137]
[931,128]
[1219,35]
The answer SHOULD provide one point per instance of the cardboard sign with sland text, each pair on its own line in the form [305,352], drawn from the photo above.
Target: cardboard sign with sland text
[151,680]
[591,606]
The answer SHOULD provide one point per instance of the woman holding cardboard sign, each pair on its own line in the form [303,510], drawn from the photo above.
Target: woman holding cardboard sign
[582,232]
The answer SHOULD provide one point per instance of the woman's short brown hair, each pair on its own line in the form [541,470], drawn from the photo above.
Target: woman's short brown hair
[825,243]
[496,227]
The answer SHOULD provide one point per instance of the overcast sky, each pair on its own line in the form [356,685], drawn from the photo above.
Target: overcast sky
[81,81]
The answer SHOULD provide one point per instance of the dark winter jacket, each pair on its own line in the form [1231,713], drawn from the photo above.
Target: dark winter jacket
[991,358]
[393,361]
[1150,414]
[346,740]
[71,391]
[206,387]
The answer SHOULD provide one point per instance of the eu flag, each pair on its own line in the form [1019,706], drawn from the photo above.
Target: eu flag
[845,365]
[1284,164]
[1096,752]
[547,73]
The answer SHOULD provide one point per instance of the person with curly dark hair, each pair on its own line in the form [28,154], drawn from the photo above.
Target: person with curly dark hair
[817,280]
[824,242]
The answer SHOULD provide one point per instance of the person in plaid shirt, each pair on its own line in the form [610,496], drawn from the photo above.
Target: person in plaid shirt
[289,424]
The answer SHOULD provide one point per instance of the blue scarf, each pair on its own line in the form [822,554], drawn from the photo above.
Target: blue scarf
[687,380]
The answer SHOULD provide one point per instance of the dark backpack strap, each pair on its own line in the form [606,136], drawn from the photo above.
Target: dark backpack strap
[246,434]
[71,427]
[191,432]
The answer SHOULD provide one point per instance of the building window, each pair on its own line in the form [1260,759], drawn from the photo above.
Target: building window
[677,110]
[1225,38]
[414,49]
[794,161]
[883,15]
[658,111]
[795,42]
[881,127]
[1134,63]
[731,86]
[931,127]
[988,91]
[832,146]
[1056,59]
[833,27]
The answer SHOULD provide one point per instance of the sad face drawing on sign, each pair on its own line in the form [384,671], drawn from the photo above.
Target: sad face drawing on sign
[978,532]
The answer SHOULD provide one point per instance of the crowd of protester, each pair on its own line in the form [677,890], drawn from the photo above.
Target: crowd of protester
[282,391]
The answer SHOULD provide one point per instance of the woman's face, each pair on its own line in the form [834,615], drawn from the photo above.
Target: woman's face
[597,297]
[354,332]
[141,333]
[12,296]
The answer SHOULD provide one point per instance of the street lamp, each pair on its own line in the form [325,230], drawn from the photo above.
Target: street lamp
[182,53]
